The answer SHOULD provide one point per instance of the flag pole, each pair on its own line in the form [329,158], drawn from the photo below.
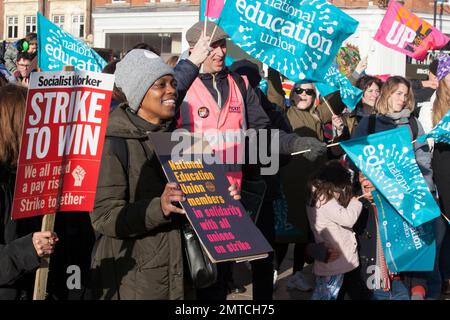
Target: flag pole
[363,195]
[213,33]
[328,105]
[205,17]
[443,215]
[309,150]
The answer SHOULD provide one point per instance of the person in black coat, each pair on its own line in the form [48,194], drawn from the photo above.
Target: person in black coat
[21,249]
[424,89]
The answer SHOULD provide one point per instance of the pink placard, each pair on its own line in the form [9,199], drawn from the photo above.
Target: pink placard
[405,32]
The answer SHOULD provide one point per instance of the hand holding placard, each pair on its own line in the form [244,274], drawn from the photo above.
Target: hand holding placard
[171,194]
[220,221]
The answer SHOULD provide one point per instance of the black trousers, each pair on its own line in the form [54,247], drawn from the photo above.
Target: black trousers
[299,255]
[354,286]
[219,290]
[262,269]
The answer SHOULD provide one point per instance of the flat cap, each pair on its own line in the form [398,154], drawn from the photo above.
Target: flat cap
[194,32]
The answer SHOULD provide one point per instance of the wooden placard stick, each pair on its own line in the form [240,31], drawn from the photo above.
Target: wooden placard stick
[40,283]
[48,224]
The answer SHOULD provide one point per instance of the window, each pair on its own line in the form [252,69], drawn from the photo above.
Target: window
[78,25]
[59,21]
[12,26]
[167,44]
[30,24]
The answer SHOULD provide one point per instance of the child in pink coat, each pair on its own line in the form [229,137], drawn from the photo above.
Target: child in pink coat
[332,211]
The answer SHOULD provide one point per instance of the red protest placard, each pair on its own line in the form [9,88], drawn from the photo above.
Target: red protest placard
[62,142]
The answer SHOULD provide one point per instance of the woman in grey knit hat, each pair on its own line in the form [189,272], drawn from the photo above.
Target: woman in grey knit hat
[138,254]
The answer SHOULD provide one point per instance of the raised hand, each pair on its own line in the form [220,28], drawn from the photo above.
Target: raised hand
[200,51]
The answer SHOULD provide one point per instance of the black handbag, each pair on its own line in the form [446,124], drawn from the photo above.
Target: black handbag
[203,272]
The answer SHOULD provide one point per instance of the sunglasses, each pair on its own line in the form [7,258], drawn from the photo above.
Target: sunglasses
[309,92]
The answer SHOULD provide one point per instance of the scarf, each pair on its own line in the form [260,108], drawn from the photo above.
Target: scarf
[400,117]
[385,282]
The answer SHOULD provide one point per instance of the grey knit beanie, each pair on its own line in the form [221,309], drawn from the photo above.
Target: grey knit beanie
[137,72]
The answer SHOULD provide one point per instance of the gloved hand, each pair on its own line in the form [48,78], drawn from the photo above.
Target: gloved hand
[200,51]
[317,147]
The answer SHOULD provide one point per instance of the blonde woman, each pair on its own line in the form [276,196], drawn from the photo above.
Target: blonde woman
[394,109]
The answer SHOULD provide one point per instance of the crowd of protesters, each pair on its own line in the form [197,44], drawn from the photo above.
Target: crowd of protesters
[130,247]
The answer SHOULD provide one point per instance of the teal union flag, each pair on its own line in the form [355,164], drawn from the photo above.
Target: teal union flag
[336,81]
[440,133]
[405,248]
[298,38]
[387,159]
[57,48]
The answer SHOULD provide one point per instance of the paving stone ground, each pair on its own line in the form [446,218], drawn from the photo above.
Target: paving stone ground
[242,276]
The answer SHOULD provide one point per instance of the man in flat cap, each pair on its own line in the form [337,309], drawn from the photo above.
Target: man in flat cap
[220,102]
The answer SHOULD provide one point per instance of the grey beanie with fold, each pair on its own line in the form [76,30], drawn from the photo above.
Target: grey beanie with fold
[137,72]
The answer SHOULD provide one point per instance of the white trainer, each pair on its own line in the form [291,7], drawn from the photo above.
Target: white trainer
[275,279]
[299,282]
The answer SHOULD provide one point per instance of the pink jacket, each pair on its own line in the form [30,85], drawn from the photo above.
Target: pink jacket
[332,223]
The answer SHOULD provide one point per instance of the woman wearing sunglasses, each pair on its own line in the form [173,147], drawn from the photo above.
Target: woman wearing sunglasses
[306,120]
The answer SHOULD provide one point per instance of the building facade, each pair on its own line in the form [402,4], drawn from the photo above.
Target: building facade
[424,6]
[19,16]
[1,19]
[369,14]
[120,24]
